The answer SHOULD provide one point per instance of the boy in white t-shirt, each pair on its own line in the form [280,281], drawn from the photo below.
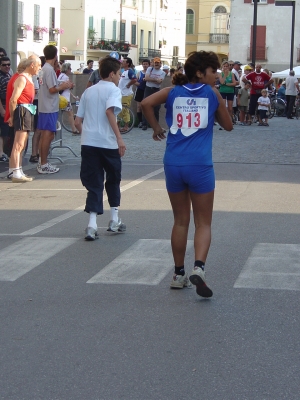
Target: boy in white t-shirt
[264,105]
[102,146]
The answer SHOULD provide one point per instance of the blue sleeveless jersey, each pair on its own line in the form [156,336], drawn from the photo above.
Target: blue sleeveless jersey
[141,81]
[190,112]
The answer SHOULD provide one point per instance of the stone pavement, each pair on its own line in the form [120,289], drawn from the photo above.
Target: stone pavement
[276,144]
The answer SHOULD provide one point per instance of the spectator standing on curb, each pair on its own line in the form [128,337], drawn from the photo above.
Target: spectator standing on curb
[102,147]
[139,93]
[227,85]
[95,76]
[21,115]
[89,68]
[264,105]
[154,77]
[4,79]
[243,102]
[48,108]
[66,71]
[292,88]
[128,79]
[258,81]
[192,106]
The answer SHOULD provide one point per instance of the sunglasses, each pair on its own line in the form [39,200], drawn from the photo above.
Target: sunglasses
[231,65]
[5,65]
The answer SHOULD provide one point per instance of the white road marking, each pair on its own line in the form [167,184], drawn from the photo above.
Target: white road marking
[77,210]
[146,262]
[271,266]
[26,254]
[47,190]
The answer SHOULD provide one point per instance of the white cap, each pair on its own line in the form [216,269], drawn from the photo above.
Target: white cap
[166,67]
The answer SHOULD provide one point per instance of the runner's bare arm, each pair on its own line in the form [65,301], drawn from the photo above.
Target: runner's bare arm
[222,115]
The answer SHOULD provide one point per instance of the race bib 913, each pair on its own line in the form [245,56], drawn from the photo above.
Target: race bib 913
[189,115]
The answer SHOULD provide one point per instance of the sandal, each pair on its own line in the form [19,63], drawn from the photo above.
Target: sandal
[34,159]
[76,133]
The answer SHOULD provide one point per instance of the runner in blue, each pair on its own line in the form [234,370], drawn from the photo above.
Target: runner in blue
[191,108]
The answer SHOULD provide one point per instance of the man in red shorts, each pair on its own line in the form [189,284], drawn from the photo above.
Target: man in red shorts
[258,81]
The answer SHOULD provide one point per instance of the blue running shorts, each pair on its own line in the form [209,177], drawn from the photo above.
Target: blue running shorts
[196,178]
[47,121]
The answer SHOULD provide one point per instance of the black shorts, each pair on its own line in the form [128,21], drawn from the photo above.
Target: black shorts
[262,114]
[139,95]
[227,96]
[23,119]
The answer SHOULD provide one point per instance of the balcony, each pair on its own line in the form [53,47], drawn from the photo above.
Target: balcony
[218,38]
[37,35]
[149,53]
[22,33]
[261,53]
[108,45]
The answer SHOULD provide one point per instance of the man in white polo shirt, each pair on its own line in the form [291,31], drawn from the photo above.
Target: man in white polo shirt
[292,88]
[154,77]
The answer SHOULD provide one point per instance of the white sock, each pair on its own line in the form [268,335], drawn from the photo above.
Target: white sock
[114,214]
[93,220]
[10,170]
[22,172]
[17,173]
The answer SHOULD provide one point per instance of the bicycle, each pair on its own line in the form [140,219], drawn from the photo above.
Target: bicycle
[125,127]
[65,117]
[278,106]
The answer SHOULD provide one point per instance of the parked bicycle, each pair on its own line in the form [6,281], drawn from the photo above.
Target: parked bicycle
[65,116]
[125,126]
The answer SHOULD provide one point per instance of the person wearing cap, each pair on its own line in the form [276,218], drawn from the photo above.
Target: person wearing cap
[247,70]
[235,69]
[166,69]
[154,77]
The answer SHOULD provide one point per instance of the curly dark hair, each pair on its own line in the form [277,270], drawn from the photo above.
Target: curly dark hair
[108,65]
[197,61]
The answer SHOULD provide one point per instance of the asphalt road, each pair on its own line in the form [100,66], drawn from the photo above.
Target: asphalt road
[97,320]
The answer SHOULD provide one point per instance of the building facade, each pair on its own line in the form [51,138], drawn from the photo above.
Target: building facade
[38,24]
[207,27]
[273,35]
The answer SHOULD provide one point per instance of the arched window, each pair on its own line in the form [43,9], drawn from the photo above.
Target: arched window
[220,20]
[189,21]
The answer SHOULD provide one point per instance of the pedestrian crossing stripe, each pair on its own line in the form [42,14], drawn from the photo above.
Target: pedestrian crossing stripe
[27,253]
[271,266]
[146,262]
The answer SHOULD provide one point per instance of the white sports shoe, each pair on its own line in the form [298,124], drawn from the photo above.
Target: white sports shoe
[197,278]
[179,281]
[114,226]
[47,169]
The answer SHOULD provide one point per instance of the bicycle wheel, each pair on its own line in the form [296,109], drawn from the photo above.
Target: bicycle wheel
[65,119]
[279,106]
[125,127]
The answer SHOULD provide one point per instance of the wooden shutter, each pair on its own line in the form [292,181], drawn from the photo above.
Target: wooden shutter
[261,31]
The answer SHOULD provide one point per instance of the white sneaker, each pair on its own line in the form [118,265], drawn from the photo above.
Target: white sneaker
[47,169]
[197,278]
[179,281]
[114,226]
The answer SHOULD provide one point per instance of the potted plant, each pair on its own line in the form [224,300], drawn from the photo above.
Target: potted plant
[92,34]
[58,31]
[164,42]
[159,44]
[26,27]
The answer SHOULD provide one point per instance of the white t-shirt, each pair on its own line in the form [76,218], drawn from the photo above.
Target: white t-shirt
[126,77]
[155,74]
[64,78]
[291,89]
[96,129]
[265,101]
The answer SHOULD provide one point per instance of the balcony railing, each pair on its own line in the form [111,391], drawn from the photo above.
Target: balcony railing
[109,45]
[149,53]
[218,38]
[37,36]
[22,33]
[261,53]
